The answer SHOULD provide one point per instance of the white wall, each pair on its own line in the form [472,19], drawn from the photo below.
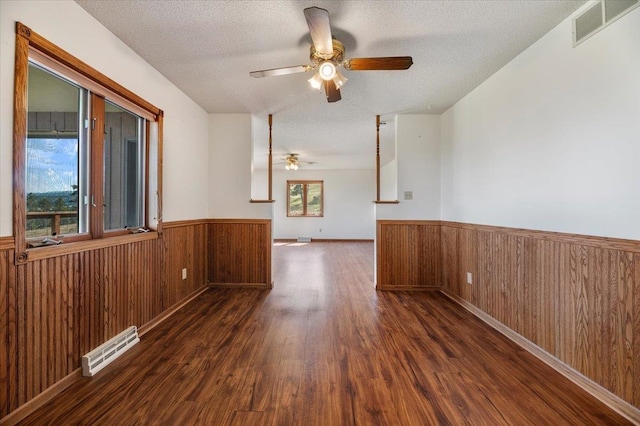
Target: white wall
[552,140]
[185,125]
[348,205]
[418,166]
[230,157]
[389,181]
[259,184]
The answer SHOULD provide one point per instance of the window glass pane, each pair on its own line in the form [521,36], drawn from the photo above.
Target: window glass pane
[296,207]
[123,168]
[314,199]
[52,182]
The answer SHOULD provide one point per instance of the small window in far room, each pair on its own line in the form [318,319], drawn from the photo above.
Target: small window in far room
[305,198]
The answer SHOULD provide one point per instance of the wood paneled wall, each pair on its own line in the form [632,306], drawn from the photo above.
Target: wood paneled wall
[61,307]
[240,252]
[408,255]
[185,246]
[55,309]
[7,322]
[576,297]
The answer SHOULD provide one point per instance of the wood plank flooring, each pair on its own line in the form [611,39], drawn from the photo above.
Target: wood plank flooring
[324,348]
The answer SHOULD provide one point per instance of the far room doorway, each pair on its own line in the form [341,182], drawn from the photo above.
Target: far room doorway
[317,195]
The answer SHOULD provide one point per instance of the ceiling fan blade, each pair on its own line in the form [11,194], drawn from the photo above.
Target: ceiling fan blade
[333,93]
[320,30]
[280,71]
[378,64]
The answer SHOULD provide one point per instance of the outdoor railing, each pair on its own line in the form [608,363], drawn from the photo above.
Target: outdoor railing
[54,217]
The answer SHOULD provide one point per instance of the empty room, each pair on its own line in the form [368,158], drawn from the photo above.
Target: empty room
[320,212]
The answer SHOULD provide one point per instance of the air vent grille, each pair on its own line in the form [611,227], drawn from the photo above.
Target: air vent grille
[588,22]
[106,353]
[614,9]
[599,16]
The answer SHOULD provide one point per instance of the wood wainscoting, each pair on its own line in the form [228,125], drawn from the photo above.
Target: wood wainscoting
[576,298]
[56,307]
[8,332]
[408,255]
[240,253]
[185,246]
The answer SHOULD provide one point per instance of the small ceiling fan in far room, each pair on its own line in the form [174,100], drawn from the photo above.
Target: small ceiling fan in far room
[327,54]
[292,162]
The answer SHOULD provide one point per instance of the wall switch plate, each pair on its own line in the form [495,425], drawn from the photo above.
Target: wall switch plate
[184,273]
[408,195]
[469,278]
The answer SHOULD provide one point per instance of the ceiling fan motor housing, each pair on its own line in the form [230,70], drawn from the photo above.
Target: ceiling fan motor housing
[336,57]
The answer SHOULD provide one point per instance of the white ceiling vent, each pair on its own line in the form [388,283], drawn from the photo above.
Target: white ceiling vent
[598,16]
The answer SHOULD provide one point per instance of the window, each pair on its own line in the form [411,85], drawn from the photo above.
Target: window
[83,145]
[66,173]
[304,198]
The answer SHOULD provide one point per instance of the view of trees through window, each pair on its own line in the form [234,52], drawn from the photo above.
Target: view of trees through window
[304,198]
[52,187]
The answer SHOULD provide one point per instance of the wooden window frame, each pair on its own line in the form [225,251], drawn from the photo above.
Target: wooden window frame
[29,43]
[305,184]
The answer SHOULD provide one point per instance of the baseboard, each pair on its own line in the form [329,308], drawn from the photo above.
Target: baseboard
[170,311]
[20,413]
[323,240]
[259,286]
[407,288]
[608,398]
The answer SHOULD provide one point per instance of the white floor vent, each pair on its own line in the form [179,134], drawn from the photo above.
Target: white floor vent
[104,354]
[304,239]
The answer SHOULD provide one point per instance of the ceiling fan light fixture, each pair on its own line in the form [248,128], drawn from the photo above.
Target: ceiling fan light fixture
[327,70]
[316,81]
[292,163]
[339,80]
[327,55]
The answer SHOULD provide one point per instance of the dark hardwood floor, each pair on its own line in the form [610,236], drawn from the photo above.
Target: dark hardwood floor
[324,348]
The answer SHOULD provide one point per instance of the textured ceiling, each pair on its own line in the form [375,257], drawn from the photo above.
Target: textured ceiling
[208,48]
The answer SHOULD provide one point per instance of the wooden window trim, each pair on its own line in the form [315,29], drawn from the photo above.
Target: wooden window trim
[96,205]
[42,45]
[27,40]
[305,183]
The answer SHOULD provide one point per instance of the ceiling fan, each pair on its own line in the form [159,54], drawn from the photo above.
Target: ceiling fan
[292,162]
[327,54]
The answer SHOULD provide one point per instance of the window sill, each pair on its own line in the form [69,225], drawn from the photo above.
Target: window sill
[45,252]
[387,202]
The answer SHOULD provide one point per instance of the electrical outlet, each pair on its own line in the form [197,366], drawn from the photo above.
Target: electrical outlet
[320,229]
[408,195]
[469,278]
[184,273]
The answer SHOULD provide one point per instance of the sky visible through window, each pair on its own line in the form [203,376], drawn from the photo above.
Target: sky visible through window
[52,165]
